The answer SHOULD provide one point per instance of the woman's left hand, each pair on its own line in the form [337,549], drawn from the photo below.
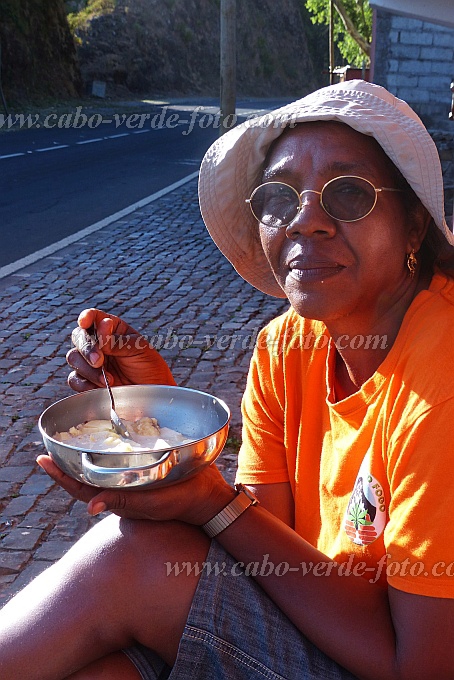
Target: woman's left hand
[194,501]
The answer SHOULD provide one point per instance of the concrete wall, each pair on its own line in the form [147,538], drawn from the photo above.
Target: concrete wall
[414,59]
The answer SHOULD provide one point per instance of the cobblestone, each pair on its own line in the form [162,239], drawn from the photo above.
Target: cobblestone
[18,506]
[22,539]
[171,284]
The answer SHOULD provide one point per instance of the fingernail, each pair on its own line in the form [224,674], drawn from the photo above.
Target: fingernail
[82,339]
[94,357]
[97,508]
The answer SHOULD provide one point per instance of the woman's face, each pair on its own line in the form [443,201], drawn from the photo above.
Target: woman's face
[331,269]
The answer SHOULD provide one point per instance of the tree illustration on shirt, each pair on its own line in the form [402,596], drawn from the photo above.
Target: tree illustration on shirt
[365,517]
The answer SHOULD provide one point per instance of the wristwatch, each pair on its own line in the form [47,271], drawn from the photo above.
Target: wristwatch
[231,512]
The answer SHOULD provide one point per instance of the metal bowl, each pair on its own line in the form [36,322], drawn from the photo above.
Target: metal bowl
[197,415]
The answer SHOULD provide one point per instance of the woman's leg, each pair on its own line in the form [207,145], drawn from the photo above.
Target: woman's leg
[136,663]
[110,590]
[115,666]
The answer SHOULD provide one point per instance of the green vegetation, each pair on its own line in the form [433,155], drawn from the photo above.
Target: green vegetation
[92,9]
[352,26]
[233,442]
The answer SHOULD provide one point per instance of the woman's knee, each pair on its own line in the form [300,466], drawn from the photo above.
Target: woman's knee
[121,553]
[118,540]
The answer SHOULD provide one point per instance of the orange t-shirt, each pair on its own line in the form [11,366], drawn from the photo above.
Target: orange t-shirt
[372,475]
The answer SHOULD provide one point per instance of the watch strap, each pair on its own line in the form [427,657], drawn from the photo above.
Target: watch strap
[231,512]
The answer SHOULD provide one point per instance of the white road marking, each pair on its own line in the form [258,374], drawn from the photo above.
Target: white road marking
[66,146]
[90,141]
[13,155]
[9,269]
[52,148]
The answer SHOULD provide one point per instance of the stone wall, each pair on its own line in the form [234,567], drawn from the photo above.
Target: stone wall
[415,60]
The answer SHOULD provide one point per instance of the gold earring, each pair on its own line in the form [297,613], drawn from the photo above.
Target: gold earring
[411,263]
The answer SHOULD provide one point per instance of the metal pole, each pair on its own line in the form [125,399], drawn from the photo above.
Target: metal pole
[451,115]
[331,42]
[228,65]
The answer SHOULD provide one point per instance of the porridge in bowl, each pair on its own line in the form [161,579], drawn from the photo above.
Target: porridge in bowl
[100,436]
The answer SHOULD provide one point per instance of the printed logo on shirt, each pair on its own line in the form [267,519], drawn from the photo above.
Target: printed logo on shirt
[365,517]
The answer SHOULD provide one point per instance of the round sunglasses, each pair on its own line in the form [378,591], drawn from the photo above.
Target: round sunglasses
[347,198]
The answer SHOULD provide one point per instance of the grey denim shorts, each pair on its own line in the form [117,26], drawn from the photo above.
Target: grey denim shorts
[235,632]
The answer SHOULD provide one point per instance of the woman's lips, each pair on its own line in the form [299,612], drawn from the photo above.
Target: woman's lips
[313,271]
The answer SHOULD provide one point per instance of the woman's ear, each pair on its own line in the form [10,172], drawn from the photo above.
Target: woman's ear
[421,219]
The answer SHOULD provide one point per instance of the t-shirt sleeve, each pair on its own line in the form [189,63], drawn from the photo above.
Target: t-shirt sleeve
[262,457]
[419,537]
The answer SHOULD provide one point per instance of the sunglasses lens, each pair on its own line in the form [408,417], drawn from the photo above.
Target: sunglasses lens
[275,204]
[348,198]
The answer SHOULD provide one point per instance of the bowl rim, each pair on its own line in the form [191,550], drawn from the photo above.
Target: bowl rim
[163,451]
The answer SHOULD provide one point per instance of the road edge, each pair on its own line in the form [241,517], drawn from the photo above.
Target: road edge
[26,261]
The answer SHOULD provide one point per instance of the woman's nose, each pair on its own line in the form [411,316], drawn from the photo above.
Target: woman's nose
[311,220]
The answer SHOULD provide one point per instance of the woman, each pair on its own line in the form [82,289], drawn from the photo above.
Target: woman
[335,202]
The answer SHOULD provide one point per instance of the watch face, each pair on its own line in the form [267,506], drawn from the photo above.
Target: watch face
[247,492]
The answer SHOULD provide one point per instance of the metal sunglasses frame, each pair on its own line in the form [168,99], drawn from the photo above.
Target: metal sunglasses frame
[377,190]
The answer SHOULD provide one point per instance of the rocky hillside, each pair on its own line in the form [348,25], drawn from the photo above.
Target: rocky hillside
[38,57]
[172,46]
[154,47]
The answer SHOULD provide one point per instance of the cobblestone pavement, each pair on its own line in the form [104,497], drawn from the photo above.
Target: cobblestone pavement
[159,269]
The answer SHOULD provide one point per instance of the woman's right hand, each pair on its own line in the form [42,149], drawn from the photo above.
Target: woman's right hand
[127,357]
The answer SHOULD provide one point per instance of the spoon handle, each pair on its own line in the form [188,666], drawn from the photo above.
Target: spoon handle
[117,423]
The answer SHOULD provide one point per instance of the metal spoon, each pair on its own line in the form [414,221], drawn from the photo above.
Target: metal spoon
[118,425]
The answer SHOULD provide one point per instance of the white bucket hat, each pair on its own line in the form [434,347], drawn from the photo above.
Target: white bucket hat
[232,167]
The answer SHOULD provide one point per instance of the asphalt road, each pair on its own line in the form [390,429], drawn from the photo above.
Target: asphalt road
[67,172]
[54,182]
